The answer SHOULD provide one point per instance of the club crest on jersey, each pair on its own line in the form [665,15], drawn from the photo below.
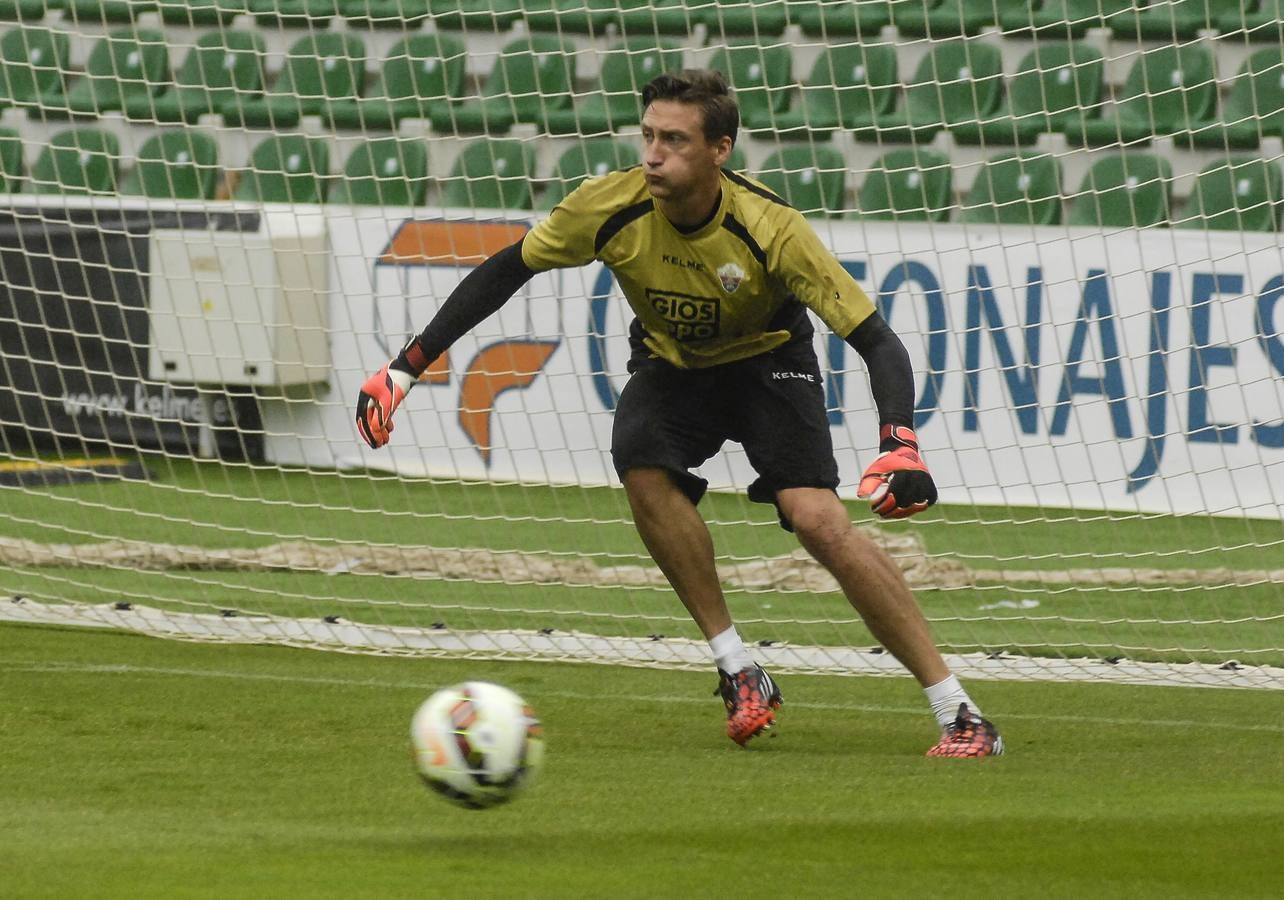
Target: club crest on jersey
[730,275]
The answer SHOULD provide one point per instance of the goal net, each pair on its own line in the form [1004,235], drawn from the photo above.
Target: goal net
[222,216]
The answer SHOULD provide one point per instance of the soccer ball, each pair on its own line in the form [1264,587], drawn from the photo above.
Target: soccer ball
[476,743]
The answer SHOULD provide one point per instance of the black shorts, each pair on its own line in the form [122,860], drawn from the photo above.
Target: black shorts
[772,404]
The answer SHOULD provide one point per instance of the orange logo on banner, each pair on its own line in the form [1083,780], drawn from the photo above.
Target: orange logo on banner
[497,368]
[449,243]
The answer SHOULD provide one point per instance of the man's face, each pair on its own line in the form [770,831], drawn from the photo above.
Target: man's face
[676,158]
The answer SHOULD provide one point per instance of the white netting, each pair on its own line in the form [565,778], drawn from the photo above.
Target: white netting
[223,215]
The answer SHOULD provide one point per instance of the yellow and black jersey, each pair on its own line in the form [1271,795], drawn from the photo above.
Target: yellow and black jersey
[735,287]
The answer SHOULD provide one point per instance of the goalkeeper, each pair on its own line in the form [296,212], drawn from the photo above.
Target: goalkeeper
[720,273]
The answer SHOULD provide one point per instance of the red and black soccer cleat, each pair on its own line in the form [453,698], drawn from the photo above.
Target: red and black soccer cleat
[751,698]
[968,735]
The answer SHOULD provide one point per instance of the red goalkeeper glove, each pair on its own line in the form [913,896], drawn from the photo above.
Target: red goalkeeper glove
[380,396]
[897,484]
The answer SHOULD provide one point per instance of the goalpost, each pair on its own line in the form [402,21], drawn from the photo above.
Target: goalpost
[221,217]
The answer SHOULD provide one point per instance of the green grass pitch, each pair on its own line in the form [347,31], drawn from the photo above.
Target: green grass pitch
[135,767]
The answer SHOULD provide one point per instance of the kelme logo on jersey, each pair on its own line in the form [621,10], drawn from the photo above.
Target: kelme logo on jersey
[688,318]
[730,275]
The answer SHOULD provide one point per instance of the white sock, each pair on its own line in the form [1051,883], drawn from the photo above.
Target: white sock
[945,697]
[729,651]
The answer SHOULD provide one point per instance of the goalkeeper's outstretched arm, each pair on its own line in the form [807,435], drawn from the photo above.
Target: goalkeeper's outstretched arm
[897,484]
[482,292]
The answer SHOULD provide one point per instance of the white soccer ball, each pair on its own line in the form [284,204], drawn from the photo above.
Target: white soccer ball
[478,744]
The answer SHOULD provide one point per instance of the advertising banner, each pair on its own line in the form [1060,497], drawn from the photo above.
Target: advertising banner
[1135,370]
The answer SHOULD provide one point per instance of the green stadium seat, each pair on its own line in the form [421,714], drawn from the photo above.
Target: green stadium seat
[959,81]
[1256,20]
[1015,189]
[200,13]
[593,17]
[813,180]
[761,78]
[642,18]
[947,18]
[26,10]
[587,159]
[851,86]
[1253,109]
[491,174]
[626,68]
[1064,19]
[106,10]
[1237,194]
[1055,83]
[910,185]
[475,15]
[1123,190]
[398,14]
[224,69]
[1169,90]
[77,161]
[10,161]
[312,14]
[290,168]
[736,18]
[126,64]
[32,62]
[386,171]
[178,165]
[421,74]
[532,76]
[1168,21]
[320,70]
[902,11]
[827,18]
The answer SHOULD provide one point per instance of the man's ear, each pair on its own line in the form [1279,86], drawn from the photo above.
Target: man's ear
[722,150]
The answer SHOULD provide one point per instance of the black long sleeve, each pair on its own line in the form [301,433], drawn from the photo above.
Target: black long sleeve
[891,376]
[483,291]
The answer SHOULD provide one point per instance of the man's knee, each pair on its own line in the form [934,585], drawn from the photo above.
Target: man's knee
[816,514]
[649,488]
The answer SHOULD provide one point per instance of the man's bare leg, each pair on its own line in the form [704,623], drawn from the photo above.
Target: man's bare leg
[679,542]
[869,577]
[876,589]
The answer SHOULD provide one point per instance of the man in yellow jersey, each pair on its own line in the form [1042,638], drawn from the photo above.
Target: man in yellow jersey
[721,273]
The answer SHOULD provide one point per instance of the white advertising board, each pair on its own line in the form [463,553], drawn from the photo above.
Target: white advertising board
[1136,370]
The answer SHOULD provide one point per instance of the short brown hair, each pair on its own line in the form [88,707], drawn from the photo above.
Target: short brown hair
[705,88]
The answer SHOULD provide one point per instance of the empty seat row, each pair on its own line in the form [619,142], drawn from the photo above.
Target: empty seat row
[1257,19]
[386,171]
[1119,190]
[128,71]
[1128,189]
[184,165]
[959,86]
[422,77]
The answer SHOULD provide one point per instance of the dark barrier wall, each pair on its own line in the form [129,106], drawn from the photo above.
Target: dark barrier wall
[74,338]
